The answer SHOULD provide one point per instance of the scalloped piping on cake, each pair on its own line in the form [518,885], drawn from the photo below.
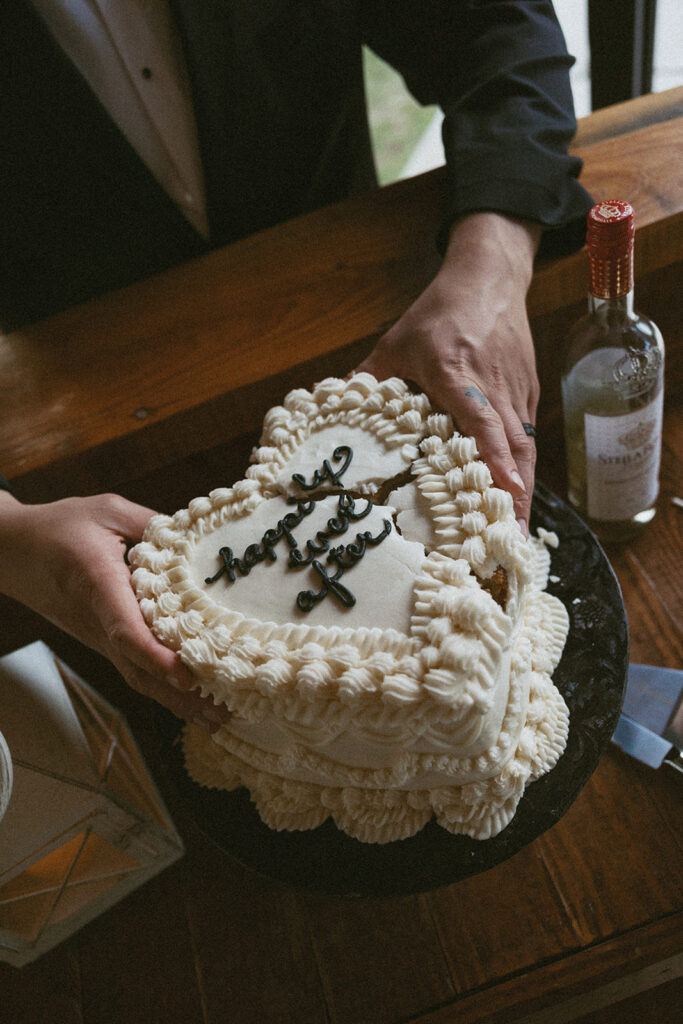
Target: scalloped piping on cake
[442,706]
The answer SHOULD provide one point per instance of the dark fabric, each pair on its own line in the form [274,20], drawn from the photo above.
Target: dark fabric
[278,92]
[499,69]
[4,484]
[81,213]
[279,96]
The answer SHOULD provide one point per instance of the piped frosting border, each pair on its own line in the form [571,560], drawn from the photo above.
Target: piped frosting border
[437,680]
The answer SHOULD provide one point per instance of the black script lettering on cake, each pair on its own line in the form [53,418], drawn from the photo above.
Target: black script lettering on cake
[344,556]
[256,553]
[346,513]
[342,451]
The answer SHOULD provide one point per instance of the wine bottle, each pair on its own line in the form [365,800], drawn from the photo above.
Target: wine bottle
[613,388]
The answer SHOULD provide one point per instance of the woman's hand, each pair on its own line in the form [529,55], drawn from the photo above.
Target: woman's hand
[66,561]
[466,343]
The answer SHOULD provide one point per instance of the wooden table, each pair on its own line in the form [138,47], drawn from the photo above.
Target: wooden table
[157,392]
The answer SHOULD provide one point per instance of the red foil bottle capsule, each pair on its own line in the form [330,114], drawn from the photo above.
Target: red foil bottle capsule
[609,237]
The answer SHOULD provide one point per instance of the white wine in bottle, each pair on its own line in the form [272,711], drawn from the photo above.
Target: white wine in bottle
[612,389]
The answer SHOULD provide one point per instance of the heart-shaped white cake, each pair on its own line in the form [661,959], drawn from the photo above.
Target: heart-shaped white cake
[367,607]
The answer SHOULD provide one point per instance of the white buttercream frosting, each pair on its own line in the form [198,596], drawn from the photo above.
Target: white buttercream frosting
[427,696]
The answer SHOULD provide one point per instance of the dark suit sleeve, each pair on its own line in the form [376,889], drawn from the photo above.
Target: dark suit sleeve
[499,69]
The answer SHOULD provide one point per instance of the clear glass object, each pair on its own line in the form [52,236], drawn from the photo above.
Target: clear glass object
[6,776]
[83,822]
[612,389]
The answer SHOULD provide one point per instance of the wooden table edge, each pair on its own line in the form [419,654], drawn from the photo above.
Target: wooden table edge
[577,983]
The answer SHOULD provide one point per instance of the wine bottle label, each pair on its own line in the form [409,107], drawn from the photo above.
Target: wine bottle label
[622,461]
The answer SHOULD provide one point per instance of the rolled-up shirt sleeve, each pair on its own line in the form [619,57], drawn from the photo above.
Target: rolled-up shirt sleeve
[499,69]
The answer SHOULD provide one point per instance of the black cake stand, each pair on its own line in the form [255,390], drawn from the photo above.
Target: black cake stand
[591,677]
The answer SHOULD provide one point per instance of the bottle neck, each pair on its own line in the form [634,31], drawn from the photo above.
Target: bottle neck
[620,304]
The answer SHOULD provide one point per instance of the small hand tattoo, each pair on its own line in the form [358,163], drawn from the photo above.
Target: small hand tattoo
[473,392]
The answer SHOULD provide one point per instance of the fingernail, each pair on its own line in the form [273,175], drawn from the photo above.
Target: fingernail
[518,480]
[184,684]
[523,526]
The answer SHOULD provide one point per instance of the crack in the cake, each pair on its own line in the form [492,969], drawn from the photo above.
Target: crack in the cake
[378,492]
[398,529]
[393,483]
[497,585]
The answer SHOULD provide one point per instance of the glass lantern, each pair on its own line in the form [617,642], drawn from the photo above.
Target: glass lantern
[83,822]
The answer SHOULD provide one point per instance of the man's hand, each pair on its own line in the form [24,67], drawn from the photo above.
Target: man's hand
[66,561]
[466,343]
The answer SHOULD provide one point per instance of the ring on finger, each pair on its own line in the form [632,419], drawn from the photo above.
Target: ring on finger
[529,429]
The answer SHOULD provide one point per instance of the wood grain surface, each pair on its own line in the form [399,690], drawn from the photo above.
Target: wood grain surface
[182,361]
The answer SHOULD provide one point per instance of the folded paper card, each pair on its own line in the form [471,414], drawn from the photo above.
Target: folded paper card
[83,824]
[650,727]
